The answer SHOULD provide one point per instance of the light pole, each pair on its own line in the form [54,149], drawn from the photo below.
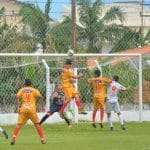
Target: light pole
[74,41]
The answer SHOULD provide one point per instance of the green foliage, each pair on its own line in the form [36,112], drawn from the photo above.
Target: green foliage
[13,41]
[61,35]
[36,20]
[96,26]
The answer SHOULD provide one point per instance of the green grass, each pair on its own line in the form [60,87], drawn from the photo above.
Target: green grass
[82,137]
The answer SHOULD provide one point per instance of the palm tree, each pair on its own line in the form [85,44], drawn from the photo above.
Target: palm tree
[100,28]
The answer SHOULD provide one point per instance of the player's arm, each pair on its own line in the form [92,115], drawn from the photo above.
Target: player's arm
[19,98]
[122,88]
[107,80]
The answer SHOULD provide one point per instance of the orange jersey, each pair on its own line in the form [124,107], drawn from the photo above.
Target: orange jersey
[66,78]
[27,96]
[99,85]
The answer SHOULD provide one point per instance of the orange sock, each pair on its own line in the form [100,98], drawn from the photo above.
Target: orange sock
[40,131]
[16,132]
[94,115]
[101,115]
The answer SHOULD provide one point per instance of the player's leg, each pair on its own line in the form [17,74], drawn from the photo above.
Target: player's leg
[63,116]
[4,133]
[62,113]
[34,118]
[45,117]
[110,121]
[120,116]
[95,105]
[109,117]
[101,107]
[22,119]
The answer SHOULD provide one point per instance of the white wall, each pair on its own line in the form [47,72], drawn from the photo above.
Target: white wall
[11,119]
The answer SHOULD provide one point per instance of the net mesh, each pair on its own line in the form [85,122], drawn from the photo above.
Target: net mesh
[14,69]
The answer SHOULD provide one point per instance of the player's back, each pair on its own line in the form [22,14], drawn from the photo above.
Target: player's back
[99,86]
[66,77]
[28,96]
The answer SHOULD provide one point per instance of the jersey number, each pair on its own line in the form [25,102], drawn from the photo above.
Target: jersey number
[27,97]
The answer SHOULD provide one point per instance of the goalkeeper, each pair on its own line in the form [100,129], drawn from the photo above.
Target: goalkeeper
[56,104]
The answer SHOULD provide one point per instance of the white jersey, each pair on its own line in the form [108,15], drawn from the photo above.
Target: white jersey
[112,91]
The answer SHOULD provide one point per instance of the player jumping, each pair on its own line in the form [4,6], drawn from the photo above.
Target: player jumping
[56,104]
[67,78]
[99,85]
[4,133]
[26,98]
[112,101]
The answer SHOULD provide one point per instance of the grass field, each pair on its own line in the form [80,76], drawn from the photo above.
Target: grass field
[82,137]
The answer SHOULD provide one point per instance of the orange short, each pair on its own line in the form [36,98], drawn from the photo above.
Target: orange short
[69,93]
[98,103]
[25,116]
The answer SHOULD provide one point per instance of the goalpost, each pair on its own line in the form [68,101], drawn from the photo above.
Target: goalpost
[14,67]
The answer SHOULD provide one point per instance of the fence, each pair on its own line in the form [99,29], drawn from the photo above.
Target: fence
[16,67]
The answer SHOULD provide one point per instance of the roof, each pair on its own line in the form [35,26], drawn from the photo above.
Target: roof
[141,50]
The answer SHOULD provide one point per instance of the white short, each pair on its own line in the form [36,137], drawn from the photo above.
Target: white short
[112,107]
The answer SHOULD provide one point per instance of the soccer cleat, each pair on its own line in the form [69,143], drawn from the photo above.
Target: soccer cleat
[5,134]
[12,142]
[69,125]
[111,128]
[101,125]
[43,141]
[123,127]
[94,125]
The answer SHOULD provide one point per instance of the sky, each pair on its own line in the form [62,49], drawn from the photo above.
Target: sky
[58,6]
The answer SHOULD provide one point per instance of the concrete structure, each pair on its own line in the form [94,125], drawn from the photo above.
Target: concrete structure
[132,14]
[10,15]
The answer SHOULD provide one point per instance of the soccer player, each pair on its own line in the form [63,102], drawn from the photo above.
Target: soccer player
[112,101]
[56,104]
[27,97]
[67,79]
[99,86]
[4,133]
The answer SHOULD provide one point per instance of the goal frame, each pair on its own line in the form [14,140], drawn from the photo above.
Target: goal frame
[94,55]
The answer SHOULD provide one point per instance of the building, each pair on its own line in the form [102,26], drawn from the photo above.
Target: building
[132,10]
[10,15]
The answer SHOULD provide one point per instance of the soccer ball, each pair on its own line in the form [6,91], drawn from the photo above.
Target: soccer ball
[70,53]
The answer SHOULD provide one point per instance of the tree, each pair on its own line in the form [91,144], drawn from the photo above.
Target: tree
[47,8]
[95,23]
[33,17]
[61,35]
[128,38]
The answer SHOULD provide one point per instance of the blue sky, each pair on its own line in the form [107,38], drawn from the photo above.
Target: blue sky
[58,5]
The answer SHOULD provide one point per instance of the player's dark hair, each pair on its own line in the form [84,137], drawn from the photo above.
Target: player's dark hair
[116,78]
[97,73]
[68,62]
[27,82]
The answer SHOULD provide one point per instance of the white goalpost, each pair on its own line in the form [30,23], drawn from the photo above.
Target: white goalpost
[14,67]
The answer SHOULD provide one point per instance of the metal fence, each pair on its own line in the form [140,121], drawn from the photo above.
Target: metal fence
[14,69]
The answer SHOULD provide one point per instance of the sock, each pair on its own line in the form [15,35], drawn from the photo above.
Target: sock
[121,119]
[1,130]
[94,115]
[110,121]
[44,118]
[67,120]
[16,132]
[40,131]
[101,115]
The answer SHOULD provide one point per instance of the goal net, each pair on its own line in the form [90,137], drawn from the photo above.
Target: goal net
[44,71]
